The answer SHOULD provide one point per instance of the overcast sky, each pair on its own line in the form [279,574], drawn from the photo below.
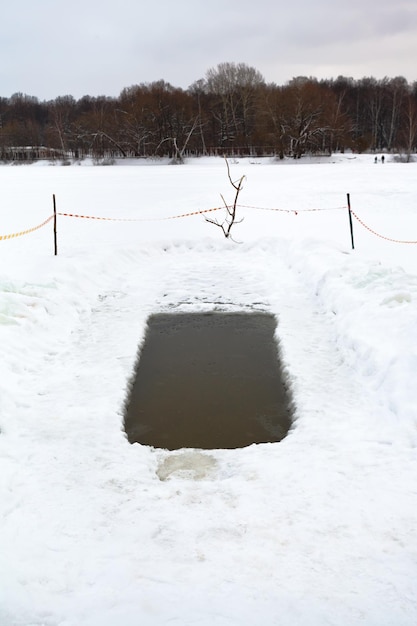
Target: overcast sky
[51,48]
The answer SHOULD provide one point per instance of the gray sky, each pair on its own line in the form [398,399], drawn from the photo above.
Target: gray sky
[52,48]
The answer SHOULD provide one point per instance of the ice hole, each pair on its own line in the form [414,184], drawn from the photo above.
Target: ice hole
[209,381]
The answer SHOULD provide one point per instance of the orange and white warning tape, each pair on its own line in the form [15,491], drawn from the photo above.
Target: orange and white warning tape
[171,217]
[378,234]
[143,219]
[95,217]
[295,211]
[26,232]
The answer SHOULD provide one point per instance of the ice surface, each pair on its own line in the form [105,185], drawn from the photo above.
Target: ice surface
[316,529]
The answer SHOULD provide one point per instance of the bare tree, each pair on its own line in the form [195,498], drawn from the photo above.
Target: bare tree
[396,90]
[230,218]
[410,125]
[179,152]
[62,110]
[304,119]
[235,87]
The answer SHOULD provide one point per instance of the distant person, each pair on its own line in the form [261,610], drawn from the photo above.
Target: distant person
[376,160]
[382,159]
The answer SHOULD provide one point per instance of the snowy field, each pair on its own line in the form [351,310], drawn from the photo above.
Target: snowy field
[319,529]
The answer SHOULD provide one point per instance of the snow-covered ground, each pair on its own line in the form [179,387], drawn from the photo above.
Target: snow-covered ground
[318,529]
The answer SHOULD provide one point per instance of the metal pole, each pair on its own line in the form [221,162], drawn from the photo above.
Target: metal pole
[350,222]
[55,241]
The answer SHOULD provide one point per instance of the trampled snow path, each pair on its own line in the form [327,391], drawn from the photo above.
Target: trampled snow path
[106,533]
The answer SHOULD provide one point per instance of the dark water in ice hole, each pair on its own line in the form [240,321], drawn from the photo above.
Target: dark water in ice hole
[210,380]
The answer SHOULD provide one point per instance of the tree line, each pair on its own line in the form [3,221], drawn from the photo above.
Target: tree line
[232,111]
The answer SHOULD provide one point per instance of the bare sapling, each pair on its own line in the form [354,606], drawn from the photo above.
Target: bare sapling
[230,216]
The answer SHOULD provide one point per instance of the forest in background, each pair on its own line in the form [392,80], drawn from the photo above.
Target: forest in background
[232,111]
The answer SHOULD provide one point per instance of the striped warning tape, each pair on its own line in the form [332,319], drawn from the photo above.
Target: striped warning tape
[295,211]
[143,219]
[171,217]
[95,217]
[377,234]
[26,232]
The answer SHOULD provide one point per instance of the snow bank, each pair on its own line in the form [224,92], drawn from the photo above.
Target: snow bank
[319,528]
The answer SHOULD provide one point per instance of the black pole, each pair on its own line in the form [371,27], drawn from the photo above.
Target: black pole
[55,242]
[350,222]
